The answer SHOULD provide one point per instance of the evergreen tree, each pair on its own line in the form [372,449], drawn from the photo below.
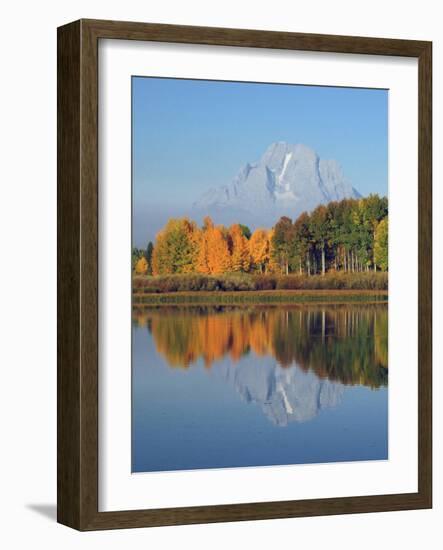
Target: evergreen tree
[136,255]
[148,256]
[245,230]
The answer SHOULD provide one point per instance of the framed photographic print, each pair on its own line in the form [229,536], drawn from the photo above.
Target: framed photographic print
[244,275]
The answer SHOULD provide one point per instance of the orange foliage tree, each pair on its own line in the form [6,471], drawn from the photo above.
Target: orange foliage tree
[213,252]
[202,257]
[239,249]
[219,259]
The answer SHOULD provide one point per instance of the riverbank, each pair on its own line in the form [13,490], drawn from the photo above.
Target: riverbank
[253,282]
[260,297]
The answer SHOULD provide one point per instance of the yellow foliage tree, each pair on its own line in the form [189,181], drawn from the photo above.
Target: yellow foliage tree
[192,235]
[259,249]
[141,267]
[160,263]
[176,247]
[381,244]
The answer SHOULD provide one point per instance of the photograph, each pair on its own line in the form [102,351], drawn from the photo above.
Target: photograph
[259,269]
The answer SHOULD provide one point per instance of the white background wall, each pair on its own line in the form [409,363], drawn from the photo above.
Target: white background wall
[28,270]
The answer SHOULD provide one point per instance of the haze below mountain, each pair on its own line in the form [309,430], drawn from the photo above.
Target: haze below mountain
[286,181]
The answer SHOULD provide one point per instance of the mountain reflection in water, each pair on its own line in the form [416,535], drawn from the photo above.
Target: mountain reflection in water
[288,363]
[284,395]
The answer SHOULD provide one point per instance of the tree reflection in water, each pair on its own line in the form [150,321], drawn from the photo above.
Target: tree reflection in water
[345,343]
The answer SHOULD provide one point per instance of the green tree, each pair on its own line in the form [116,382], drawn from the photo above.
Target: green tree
[349,233]
[319,227]
[136,255]
[301,244]
[281,242]
[245,230]
[362,236]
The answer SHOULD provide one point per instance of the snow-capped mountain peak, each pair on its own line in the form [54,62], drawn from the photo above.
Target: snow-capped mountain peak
[287,180]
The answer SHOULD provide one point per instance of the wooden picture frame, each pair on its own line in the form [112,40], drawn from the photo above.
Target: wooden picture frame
[78,274]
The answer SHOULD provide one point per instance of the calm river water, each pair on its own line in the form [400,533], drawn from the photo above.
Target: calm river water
[222,386]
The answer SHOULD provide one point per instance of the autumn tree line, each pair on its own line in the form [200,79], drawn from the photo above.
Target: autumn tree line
[350,235]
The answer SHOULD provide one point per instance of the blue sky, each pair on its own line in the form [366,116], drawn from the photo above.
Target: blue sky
[191,135]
